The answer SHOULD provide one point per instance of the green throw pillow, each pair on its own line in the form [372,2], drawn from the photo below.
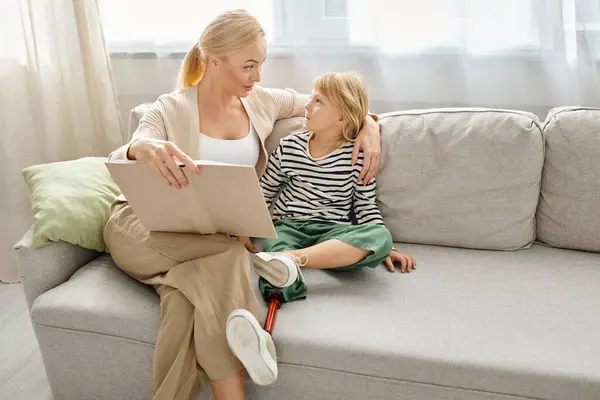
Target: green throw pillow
[71,201]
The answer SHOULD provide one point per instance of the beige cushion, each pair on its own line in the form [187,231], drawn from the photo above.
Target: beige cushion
[569,210]
[461,177]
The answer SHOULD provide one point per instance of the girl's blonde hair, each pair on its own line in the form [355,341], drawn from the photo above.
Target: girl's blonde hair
[227,33]
[348,92]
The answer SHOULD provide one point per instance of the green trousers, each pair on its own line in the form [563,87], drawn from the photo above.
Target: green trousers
[294,235]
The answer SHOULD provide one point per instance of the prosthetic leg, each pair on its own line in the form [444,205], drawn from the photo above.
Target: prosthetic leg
[275,301]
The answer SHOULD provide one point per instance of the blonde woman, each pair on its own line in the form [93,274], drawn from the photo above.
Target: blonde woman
[220,114]
[320,190]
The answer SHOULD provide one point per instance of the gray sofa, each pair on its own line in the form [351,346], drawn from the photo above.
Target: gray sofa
[503,213]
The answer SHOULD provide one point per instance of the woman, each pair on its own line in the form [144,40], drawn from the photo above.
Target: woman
[217,114]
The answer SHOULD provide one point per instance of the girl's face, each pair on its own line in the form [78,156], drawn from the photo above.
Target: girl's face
[321,115]
[240,71]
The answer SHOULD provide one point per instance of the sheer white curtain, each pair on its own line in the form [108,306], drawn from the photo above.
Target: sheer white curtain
[57,102]
[527,54]
[532,54]
[163,27]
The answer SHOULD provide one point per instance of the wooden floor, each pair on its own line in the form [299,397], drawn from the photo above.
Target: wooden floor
[22,375]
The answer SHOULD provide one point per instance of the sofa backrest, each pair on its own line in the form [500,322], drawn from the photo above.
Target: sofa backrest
[568,214]
[472,177]
[135,116]
[461,177]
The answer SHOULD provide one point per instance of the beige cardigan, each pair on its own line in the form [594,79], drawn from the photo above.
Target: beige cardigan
[175,117]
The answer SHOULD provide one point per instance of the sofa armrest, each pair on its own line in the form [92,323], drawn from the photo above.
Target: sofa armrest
[46,267]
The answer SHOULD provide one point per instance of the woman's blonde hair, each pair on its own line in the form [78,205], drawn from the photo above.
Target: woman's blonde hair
[227,33]
[348,92]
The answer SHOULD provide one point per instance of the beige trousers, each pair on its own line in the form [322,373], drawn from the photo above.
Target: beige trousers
[200,279]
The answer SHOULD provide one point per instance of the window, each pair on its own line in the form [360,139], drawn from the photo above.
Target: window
[472,26]
[586,17]
[478,27]
[153,26]
[173,26]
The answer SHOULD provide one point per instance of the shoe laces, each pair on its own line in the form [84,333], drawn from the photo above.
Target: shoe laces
[301,260]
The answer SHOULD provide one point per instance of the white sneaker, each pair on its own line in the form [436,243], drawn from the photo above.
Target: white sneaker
[253,346]
[279,269]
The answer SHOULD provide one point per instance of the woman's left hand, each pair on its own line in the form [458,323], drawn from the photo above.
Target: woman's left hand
[407,263]
[369,141]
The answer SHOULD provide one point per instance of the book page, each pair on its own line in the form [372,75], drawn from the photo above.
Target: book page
[232,196]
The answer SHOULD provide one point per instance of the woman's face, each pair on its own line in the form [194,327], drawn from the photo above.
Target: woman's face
[240,71]
[321,115]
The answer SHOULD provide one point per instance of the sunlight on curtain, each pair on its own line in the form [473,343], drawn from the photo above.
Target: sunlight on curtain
[475,27]
[58,100]
[169,26]
[529,54]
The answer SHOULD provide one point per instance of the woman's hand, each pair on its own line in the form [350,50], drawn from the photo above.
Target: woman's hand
[162,157]
[245,240]
[369,141]
[407,263]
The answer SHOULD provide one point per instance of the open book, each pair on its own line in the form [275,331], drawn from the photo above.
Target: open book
[223,198]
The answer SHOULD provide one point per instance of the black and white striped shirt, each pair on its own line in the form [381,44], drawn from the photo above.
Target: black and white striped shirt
[323,189]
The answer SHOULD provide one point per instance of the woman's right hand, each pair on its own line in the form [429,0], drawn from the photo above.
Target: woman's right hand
[162,156]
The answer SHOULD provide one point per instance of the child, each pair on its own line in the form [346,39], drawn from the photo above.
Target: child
[320,189]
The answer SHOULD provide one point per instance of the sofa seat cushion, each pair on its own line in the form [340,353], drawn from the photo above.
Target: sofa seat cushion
[100,298]
[523,323]
[519,323]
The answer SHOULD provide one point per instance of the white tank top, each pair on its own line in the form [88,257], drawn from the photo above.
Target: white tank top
[241,151]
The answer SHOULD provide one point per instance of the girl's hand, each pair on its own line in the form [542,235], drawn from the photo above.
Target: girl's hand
[245,240]
[407,263]
[162,157]
[369,141]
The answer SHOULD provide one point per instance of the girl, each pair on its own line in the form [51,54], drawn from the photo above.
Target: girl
[320,191]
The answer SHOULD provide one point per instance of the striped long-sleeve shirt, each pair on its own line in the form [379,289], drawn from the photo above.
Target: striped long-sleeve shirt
[323,189]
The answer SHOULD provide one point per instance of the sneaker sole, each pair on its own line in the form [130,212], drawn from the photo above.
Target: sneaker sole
[247,341]
[267,267]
